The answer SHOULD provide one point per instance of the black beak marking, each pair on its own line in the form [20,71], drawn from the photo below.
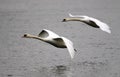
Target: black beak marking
[64,20]
[25,35]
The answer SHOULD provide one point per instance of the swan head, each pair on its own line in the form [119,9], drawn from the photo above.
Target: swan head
[64,20]
[26,35]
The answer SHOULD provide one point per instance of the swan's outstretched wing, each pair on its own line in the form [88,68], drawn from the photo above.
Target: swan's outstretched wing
[70,47]
[43,34]
[71,15]
[76,15]
[103,26]
[48,34]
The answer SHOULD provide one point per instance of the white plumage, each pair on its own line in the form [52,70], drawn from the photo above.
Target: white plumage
[90,21]
[54,39]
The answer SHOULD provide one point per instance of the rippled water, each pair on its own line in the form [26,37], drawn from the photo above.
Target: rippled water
[98,53]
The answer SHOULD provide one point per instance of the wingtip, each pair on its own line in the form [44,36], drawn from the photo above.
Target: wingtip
[108,31]
[70,15]
[72,57]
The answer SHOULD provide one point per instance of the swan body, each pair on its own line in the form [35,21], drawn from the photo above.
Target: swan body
[90,21]
[54,39]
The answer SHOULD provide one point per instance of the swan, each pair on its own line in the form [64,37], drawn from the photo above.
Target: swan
[90,21]
[53,39]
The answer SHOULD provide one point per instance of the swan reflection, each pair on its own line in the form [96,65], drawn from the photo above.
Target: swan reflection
[62,71]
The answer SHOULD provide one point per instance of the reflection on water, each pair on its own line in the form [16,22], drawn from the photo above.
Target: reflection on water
[56,71]
[59,69]
[62,71]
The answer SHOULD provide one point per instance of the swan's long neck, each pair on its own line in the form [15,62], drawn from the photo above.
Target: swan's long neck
[34,37]
[73,19]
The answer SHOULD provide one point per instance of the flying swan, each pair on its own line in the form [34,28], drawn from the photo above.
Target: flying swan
[54,39]
[90,21]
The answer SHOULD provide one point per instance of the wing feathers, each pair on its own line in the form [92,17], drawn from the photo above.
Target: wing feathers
[70,47]
[94,22]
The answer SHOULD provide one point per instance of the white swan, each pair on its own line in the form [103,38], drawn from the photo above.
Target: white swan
[90,21]
[54,39]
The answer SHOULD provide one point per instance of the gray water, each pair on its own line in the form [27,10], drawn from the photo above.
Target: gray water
[98,53]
